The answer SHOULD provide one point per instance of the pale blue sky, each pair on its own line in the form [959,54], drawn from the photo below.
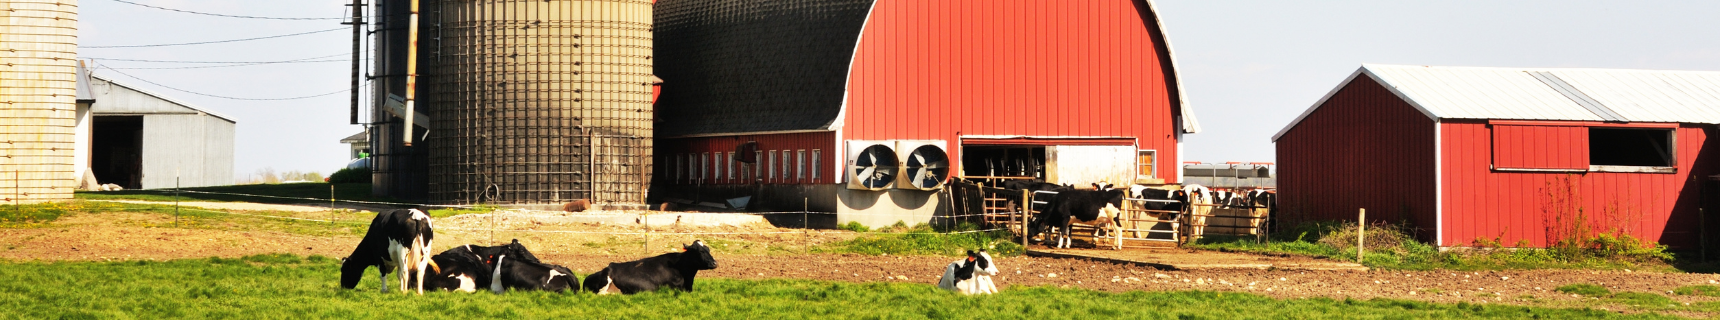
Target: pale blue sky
[1249,66]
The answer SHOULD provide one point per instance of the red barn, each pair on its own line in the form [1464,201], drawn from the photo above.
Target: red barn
[1507,154]
[867,107]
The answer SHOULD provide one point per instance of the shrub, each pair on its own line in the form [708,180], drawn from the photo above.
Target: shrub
[854,226]
[349,175]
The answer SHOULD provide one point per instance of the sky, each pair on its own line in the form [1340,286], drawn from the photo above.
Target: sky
[1248,67]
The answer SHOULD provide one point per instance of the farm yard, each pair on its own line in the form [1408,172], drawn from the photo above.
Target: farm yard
[99,258]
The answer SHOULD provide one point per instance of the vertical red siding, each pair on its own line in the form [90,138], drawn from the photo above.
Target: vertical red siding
[1486,203]
[1540,147]
[937,70]
[792,142]
[1362,148]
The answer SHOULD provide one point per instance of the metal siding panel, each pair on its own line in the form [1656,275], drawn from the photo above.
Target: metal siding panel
[1540,147]
[1363,148]
[1485,203]
[1030,67]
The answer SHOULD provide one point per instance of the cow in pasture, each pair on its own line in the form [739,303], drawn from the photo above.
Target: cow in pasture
[675,270]
[1199,201]
[971,275]
[469,267]
[398,240]
[462,270]
[1093,207]
[522,274]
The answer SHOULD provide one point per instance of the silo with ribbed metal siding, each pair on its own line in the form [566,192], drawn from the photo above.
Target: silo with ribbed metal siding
[536,102]
[38,94]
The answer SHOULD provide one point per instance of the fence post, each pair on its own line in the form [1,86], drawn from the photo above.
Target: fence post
[1361,231]
[1026,205]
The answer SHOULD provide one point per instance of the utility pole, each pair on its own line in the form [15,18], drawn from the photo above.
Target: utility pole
[357,28]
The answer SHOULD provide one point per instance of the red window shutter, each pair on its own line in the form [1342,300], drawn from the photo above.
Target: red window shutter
[1540,147]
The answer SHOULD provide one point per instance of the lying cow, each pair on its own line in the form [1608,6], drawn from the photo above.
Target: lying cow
[1098,208]
[469,267]
[521,274]
[398,240]
[675,270]
[971,275]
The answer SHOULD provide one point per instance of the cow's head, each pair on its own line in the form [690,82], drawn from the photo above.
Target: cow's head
[698,256]
[984,263]
[350,272]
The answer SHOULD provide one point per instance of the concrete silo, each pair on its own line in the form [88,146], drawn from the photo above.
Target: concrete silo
[38,94]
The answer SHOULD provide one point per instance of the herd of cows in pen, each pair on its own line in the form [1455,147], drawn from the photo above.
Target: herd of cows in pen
[399,241]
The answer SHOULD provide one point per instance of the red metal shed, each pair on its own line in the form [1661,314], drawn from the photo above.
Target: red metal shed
[981,80]
[1465,153]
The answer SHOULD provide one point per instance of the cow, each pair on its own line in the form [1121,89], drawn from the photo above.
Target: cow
[1199,201]
[469,267]
[971,275]
[397,240]
[1094,207]
[675,270]
[521,274]
[463,269]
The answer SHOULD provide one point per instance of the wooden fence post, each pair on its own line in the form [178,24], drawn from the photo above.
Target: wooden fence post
[1361,231]
[1026,205]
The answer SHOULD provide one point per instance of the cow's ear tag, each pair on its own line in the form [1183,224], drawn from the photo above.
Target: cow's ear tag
[970,258]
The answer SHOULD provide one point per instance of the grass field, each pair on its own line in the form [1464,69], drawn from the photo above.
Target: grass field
[287,286]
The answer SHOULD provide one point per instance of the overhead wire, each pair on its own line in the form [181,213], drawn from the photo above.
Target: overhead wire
[218,96]
[222,15]
[213,62]
[213,42]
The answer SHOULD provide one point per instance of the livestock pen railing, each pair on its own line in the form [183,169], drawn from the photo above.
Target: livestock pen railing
[1218,219]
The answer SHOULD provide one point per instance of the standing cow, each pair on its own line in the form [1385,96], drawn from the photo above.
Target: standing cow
[674,270]
[1098,208]
[398,240]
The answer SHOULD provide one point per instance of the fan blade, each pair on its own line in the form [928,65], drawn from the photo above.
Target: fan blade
[920,178]
[866,175]
[920,158]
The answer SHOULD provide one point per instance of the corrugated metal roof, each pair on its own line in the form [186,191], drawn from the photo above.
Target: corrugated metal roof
[164,98]
[1617,95]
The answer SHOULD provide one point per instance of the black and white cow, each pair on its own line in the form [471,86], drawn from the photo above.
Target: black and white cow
[470,267]
[1094,207]
[398,240]
[462,270]
[971,275]
[521,274]
[674,270]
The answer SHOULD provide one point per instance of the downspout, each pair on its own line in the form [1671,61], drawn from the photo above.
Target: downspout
[411,72]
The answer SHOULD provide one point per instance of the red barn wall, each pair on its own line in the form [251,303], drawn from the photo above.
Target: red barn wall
[941,69]
[822,141]
[1483,203]
[1362,148]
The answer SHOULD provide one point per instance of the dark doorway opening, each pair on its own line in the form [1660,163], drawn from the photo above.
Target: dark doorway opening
[1004,161]
[116,150]
[1630,147]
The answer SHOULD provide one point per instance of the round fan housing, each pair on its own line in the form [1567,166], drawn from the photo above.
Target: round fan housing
[872,168]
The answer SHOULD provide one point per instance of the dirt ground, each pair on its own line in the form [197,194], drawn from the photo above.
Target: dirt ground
[762,252]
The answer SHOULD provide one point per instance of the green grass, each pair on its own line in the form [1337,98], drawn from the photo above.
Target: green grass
[1584,289]
[315,190]
[26,214]
[1392,249]
[926,240]
[286,286]
[1698,290]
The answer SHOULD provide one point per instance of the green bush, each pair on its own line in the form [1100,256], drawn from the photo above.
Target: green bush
[349,175]
[854,226]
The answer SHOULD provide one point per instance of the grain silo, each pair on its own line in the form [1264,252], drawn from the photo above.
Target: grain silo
[528,102]
[38,92]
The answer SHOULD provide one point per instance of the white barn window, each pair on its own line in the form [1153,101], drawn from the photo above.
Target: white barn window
[816,156]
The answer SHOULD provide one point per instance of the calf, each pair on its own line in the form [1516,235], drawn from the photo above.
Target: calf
[398,240]
[971,275]
[675,270]
[520,274]
[1094,207]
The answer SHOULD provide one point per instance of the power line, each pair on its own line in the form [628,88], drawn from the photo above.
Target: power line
[225,66]
[210,42]
[222,15]
[221,62]
[216,96]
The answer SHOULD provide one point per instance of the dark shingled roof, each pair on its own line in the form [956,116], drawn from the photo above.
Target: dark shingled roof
[731,66]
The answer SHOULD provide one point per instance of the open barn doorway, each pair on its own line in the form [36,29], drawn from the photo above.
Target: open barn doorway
[1003,161]
[116,150]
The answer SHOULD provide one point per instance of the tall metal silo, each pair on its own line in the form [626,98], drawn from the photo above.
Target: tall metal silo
[38,99]
[536,101]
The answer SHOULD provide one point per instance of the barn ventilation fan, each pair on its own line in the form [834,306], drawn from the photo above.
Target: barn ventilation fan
[925,165]
[871,165]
